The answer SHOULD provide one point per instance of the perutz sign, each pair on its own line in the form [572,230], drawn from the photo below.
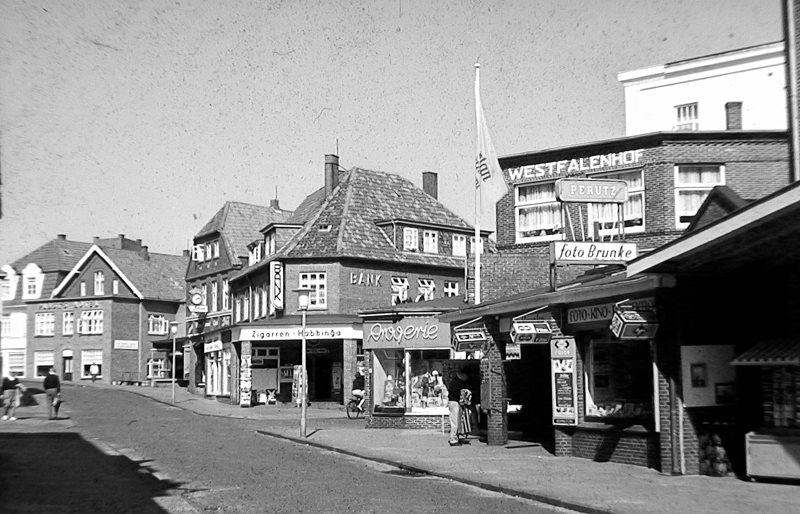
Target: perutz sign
[634,324]
[535,332]
[585,252]
[469,339]
[587,190]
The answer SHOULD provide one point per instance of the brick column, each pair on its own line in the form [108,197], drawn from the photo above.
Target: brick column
[493,376]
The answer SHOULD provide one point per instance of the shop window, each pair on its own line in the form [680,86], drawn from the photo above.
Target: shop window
[428,391]
[157,368]
[604,218]
[42,362]
[538,213]
[389,379]
[692,186]
[15,364]
[459,245]
[619,381]
[781,388]
[91,358]
[45,324]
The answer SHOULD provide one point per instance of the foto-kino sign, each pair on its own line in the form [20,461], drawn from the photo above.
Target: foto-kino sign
[584,252]
[285,333]
[407,333]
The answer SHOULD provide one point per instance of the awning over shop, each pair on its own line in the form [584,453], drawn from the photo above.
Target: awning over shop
[782,352]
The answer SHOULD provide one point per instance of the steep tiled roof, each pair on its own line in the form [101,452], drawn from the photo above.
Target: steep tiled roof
[240,224]
[362,198]
[159,277]
[55,255]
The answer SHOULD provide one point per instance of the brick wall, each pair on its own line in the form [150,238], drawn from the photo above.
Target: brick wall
[616,445]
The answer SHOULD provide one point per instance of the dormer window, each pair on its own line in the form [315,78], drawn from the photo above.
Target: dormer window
[215,249]
[430,241]
[32,280]
[269,244]
[8,286]
[686,115]
[198,253]
[460,245]
[410,239]
[324,227]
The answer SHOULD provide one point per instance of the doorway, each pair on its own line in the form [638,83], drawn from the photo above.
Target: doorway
[66,367]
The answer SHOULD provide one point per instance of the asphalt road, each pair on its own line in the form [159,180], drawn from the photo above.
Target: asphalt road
[121,452]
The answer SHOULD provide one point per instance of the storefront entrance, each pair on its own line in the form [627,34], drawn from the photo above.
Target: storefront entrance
[530,397]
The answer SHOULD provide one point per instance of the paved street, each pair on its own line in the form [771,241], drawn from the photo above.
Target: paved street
[122,452]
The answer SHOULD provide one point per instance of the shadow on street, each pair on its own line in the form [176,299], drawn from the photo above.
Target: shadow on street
[52,472]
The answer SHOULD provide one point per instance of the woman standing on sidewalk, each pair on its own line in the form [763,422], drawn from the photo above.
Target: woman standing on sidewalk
[12,393]
[52,390]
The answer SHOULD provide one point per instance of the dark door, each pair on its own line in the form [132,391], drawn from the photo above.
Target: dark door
[67,368]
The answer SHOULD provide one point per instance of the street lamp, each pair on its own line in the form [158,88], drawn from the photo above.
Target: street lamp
[302,304]
[173,328]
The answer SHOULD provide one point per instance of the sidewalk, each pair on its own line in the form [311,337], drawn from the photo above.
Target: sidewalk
[518,468]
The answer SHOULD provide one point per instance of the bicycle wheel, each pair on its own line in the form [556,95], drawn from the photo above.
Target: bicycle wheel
[352,410]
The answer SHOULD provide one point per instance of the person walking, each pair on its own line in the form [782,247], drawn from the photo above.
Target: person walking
[52,391]
[358,389]
[94,370]
[454,387]
[12,395]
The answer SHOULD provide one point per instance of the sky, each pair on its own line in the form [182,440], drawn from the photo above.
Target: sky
[143,117]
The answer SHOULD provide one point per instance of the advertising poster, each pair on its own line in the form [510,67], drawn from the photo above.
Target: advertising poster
[245,382]
[296,386]
[562,367]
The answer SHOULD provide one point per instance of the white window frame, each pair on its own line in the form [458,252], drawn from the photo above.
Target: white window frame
[410,239]
[15,363]
[5,326]
[430,241]
[115,286]
[459,245]
[473,246]
[450,288]
[693,187]
[215,249]
[91,322]
[44,359]
[635,193]
[426,288]
[226,294]
[245,307]
[687,116]
[83,288]
[204,293]
[44,324]
[214,296]
[549,202]
[269,244]
[317,282]
[207,252]
[99,283]
[89,357]
[157,324]
[237,308]
[400,288]
[197,253]
[264,301]
[68,323]
[257,303]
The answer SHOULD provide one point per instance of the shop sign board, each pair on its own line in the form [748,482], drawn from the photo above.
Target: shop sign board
[296,332]
[565,393]
[604,311]
[589,252]
[531,332]
[406,333]
[634,324]
[588,190]
[275,287]
[213,346]
[126,344]
[470,339]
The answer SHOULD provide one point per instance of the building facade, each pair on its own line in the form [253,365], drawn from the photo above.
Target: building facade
[219,250]
[366,239]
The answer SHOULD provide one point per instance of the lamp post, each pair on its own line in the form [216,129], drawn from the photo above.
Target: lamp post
[302,303]
[173,328]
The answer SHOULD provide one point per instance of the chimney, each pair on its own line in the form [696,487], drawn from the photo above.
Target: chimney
[430,183]
[139,242]
[274,204]
[62,237]
[186,253]
[331,173]
[733,116]
[144,253]
[96,239]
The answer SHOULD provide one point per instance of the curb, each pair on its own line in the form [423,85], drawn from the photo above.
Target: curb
[577,507]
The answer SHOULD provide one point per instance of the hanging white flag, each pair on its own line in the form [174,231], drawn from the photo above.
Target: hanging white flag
[489,177]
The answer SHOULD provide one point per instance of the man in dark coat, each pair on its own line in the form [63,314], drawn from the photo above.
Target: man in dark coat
[52,389]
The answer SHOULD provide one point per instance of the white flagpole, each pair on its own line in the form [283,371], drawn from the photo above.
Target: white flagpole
[477,246]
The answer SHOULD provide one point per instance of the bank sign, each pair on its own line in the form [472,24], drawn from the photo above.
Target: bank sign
[407,333]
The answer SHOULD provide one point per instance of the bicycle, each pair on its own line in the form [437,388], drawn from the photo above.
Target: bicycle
[353,410]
